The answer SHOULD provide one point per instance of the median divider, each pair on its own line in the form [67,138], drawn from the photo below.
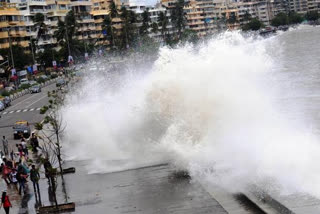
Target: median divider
[26,91]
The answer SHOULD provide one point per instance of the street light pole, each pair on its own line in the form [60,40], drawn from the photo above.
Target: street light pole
[68,41]
[32,49]
[10,46]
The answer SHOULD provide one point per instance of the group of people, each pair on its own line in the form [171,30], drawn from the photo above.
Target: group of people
[15,170]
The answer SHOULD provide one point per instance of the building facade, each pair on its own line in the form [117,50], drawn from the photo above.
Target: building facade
[12,26]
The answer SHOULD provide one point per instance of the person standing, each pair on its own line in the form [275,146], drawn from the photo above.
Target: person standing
[13,176]
[21,177]
[5,145]
[5,202]
[24,148]
[35,177]
[34,142]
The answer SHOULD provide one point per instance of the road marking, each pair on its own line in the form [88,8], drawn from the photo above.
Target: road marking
[25,110]
[23,100]
[18,111]
[11,112]
[37,101]
[38,109]
[5,112]
[32,109]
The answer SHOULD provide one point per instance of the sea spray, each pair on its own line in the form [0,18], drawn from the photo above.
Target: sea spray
[212,110]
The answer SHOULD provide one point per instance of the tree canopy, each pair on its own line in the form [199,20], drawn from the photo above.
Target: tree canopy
[285,19]
[312,15]
[254,24]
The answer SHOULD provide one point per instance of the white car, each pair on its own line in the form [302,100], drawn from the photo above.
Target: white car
[24,81]
[2,106]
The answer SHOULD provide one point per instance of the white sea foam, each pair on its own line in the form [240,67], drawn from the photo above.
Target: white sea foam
[212,109]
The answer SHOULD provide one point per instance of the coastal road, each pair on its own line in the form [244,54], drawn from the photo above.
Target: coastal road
[23,108]
[147,190]
[26,108]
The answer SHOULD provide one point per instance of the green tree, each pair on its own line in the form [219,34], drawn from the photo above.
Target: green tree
[254,24]
[178,17]
[294,18]
[128,28]
[38,19]
[154,27]
[46,56]
[189,35]
[312,16]
[280,19]
[145,22]
[247,16]
[107,26]
[20,57]
[232,18]
[163,23]
[113,10]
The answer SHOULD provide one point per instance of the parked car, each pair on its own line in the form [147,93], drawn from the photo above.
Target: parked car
[35,89]
[45,77]
[21,129]
[32,82]
[60,82]
[9,88]
[2,106]
[24,81]
[6,101]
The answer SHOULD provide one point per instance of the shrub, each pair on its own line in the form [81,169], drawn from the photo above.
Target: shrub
[5,93]
[52,76]
[40,80]
[24,86]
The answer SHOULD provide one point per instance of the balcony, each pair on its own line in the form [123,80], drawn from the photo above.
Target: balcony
[34,11]
[81,3]
[4,35]
[16,23]
[99,12]
[24,43]
[98,21]
[4,45]
[83,21]
[18,33]
[37,3]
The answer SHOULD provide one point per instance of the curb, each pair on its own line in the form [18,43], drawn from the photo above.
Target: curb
[26,91]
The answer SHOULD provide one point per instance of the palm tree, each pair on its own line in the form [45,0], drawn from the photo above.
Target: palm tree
[128,28]
[38,19]
[60,33]
[113,10]
[107,26]
[163,23]
[145,22]
[154,27]
[178,18]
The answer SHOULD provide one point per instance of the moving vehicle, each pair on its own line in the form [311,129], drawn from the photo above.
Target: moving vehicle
[35,89]
[21,129]
[60,82]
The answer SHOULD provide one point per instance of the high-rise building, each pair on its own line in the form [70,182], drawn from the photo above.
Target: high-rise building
[12,26]
[86,30]
[201,16]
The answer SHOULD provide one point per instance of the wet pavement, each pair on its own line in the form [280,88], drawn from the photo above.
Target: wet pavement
[146,190]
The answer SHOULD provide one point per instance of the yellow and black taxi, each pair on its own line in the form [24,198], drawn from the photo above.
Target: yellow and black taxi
[21,129]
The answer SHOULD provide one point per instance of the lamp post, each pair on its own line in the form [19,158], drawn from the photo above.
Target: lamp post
[67,38]
[10,46]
